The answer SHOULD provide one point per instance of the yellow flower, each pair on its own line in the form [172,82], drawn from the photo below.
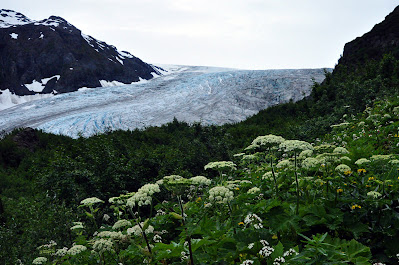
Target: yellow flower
[348,172]
[339,190]
[371,178]
[198,199]
[241,223]
[360,170]
[356,206]
[368,186]
[274,237]
[237,188]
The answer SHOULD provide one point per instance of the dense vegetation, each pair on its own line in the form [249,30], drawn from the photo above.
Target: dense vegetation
[40,190]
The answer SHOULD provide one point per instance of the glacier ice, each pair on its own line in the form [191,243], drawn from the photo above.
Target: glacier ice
[208,95]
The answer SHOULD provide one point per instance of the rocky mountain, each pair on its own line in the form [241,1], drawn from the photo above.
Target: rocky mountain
[382,39]
[189,93]
[53,56]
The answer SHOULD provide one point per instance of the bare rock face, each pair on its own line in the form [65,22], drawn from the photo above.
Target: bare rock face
[382,39]
[53,56]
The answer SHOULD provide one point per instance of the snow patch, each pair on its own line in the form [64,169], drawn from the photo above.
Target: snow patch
[37,86]
[10,18]
[8,99]
[105,83]
[14,36]
[41,35]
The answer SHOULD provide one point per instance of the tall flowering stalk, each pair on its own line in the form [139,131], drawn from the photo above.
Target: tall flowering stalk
[269,142]
[221,166]
[296,147]
[89,202]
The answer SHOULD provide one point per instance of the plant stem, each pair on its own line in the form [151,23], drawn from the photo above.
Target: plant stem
[231,216]
[274,175]
[297,186]
[185,228]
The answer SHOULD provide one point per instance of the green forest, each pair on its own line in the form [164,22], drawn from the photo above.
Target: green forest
[310,182]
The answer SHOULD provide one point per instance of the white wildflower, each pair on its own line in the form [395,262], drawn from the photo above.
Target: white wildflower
[103,245]
[251,245]
[121,223]
[136,230]
[220,194]
[268,140]
[200,180]
[157,239]
[278,260]
[266,251]
[39,260]
[290,252]
[342,168]
[61,252]
[253,190]
[143,195]
[304,154]
[362,161]
[295,145]
[310,163]
[76,249]
[247,262]
[91,201]
[221,165]
[341,151]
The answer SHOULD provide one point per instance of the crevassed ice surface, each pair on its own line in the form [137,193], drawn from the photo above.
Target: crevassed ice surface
[193,94]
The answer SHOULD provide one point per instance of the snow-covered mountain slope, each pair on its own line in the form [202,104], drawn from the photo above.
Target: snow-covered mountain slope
[52,56]
[194,94]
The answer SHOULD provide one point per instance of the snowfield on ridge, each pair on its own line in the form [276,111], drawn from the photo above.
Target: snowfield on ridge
[208,95]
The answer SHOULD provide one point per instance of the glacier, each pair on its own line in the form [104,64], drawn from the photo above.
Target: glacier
[208,95]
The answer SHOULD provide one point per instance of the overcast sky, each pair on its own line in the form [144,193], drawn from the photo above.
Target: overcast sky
[247,34]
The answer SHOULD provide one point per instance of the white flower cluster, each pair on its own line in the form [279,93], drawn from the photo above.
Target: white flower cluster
[290,252]
[51,244]
[253,218]
[121,223]
[253,190]
[167,179]
[61,252]
[111,234]
[157,239]
[39,260]
[341,151]
[136,230]
[295,145]
[287,164]
[103,245]
[268,140]
[143,195]
[266,251]
[251,245]
[345,159]
[220,194]
[278,261]
[200,180]
[183,256]
[239,154]
[374,194]
[362,161]
[342,168]
[116,200]
[91,201]
[269,175]
[380,157]
[247,262]
[394,162]
[220,165]
[310,162]
[76,249]
[305,153]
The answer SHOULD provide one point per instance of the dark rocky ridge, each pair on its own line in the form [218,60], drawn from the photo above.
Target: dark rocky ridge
[382,39]
[34,50]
